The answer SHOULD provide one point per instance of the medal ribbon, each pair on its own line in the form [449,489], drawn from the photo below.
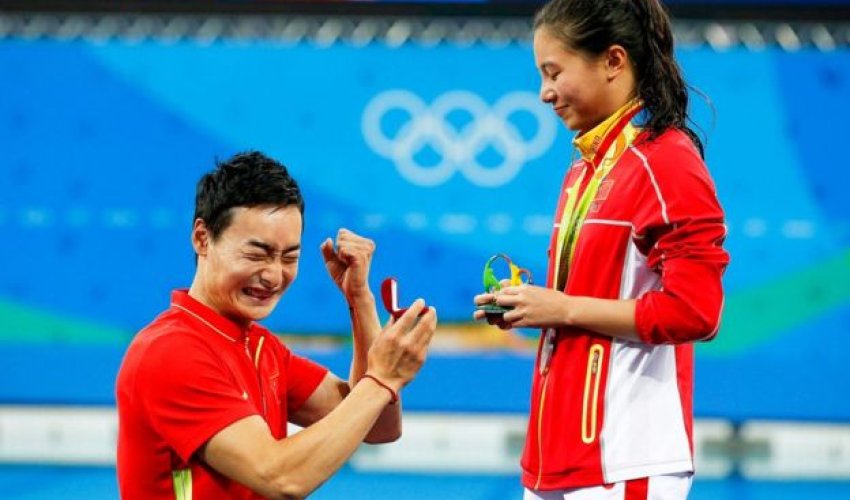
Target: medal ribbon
[578,203]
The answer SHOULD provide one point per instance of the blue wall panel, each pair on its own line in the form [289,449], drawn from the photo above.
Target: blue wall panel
[441,154]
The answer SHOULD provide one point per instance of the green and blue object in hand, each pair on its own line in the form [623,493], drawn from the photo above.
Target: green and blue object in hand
[492,284]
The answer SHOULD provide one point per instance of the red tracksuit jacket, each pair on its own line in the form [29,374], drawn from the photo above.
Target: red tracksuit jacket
[610,410]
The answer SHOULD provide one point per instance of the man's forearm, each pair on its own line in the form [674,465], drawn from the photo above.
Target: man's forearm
[295,466]
[366,327]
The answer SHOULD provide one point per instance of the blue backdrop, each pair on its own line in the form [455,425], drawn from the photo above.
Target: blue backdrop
[442,155]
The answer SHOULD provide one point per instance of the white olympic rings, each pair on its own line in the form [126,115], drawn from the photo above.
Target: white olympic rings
[428,126]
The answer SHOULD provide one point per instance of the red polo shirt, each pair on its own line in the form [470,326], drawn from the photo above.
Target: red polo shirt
[187,376]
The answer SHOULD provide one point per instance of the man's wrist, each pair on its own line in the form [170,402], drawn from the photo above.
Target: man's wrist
[393,392]
[360,298]
[364,321]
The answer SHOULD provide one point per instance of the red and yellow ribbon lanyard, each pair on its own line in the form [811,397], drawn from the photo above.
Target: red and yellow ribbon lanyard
[578,204]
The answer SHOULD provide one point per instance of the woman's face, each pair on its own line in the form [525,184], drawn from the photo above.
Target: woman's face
[575,84]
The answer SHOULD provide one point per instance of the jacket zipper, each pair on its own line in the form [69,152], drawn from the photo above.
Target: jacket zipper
[540,432]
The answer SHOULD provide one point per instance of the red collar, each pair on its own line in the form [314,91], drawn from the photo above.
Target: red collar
[182,301]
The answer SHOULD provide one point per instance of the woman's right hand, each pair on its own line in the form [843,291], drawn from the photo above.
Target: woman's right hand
[492,317]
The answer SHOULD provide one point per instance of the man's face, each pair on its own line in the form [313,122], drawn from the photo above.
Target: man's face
[244,272]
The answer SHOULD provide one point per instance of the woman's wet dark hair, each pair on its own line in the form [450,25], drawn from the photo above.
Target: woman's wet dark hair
[642,28]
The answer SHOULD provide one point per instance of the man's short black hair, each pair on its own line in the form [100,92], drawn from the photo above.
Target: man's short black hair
[247,179]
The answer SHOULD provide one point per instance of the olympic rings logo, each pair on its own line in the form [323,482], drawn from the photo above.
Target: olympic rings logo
[458,148]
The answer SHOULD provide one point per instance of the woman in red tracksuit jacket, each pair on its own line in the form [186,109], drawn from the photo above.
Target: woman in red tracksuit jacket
[635,262]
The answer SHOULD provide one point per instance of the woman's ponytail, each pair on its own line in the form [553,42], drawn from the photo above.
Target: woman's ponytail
[660,83]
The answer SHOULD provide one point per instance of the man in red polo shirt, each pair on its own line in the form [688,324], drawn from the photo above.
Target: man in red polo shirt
[204,393]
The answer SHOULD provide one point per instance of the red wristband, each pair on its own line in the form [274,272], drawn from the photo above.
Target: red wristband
[393,394]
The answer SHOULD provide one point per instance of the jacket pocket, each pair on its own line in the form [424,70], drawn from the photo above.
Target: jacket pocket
[591,394]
